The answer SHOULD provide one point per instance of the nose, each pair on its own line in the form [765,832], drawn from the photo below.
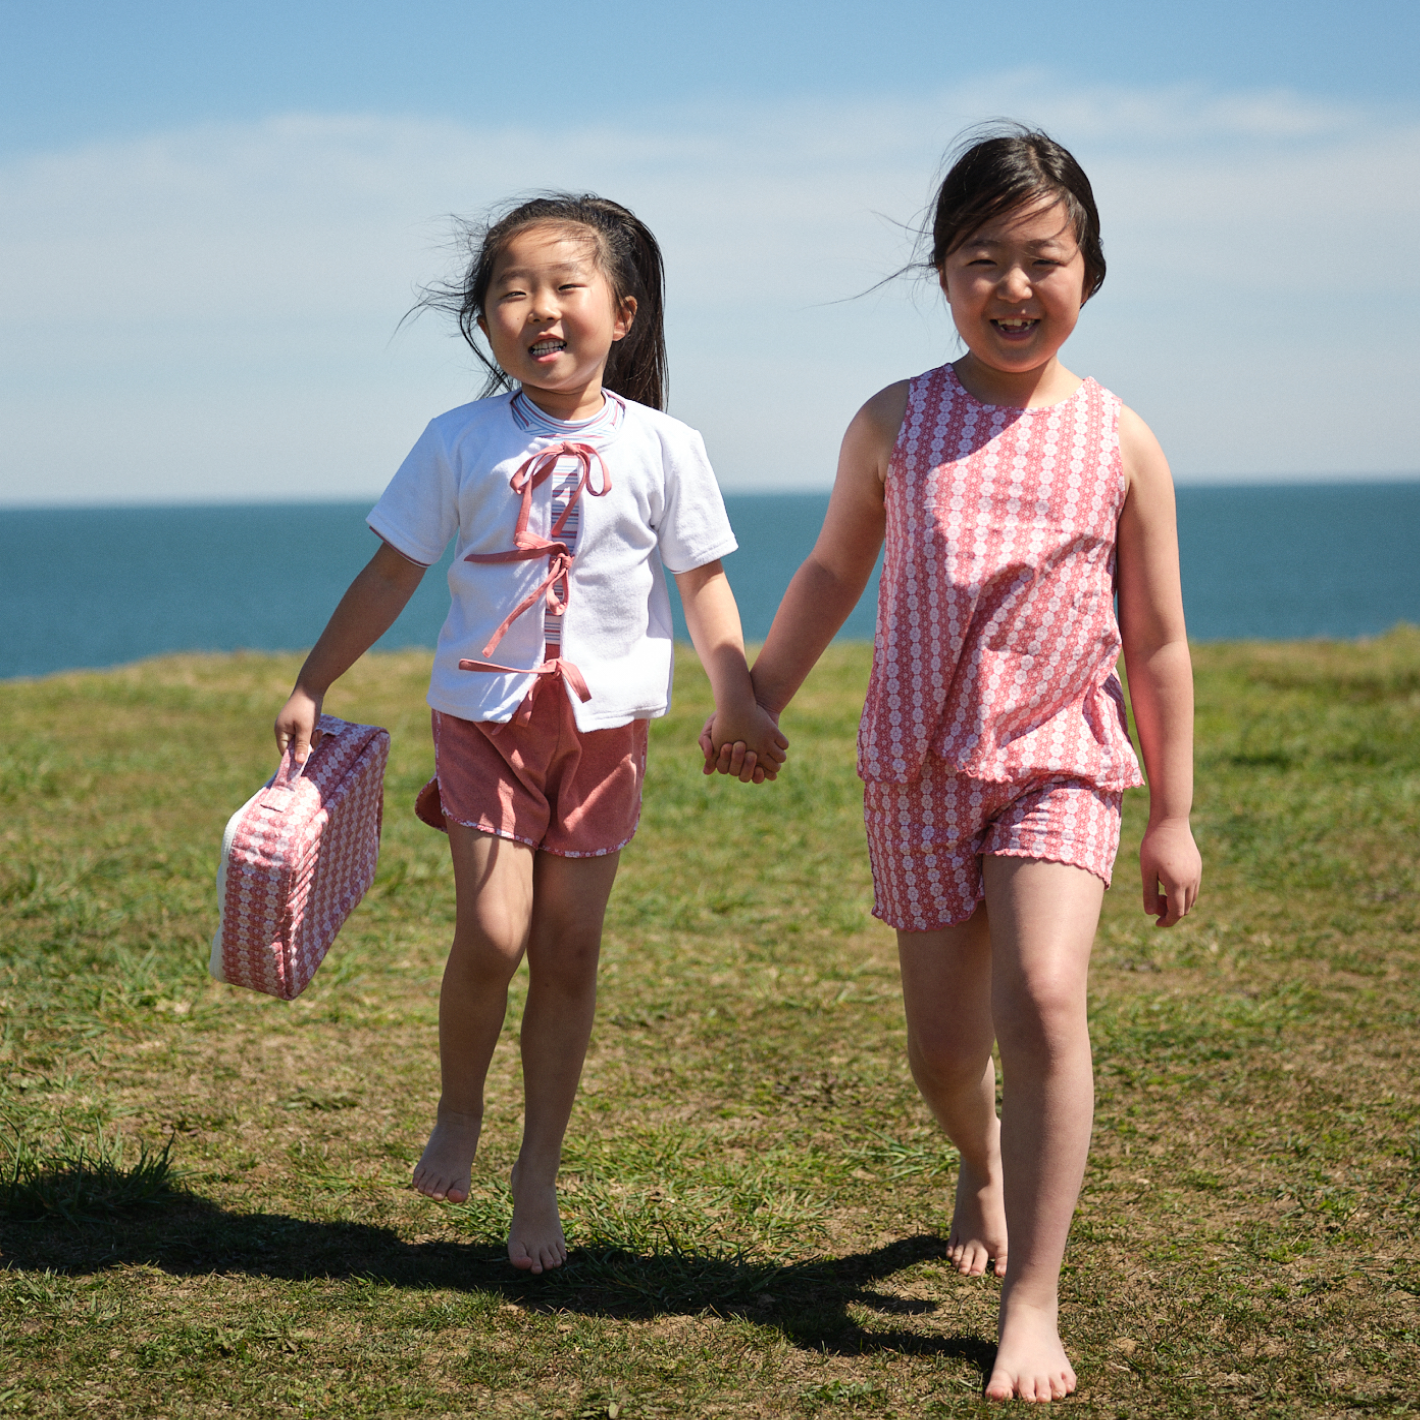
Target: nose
[1015,284]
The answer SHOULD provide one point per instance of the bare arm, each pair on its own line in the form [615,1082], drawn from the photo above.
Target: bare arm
[827,586]
[1160,672]
[713,620]
[366,611]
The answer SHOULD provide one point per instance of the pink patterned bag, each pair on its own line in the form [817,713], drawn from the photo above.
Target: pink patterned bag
[296,859]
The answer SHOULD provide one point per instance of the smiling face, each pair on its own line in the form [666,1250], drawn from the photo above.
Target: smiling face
[1015,288]
[551,318]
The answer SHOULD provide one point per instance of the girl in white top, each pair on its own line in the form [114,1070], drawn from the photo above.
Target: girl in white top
[565,498]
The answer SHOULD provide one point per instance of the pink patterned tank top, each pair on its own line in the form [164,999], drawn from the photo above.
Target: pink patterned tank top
[996,640]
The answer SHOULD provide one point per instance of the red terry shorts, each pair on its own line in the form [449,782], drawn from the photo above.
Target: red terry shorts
[926,839]
[576,793]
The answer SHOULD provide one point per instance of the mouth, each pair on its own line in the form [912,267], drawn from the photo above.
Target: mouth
[1016,326]
[539,348]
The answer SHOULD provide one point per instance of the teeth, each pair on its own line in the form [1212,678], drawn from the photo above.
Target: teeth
[546,347]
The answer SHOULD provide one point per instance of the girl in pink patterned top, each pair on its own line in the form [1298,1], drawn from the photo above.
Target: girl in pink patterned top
[1016,500]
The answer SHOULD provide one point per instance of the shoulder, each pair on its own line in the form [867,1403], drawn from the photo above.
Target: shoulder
[656,423]
[884,411]
[1145,466]
[654,445]
[880,419]
[872,432]
[464,418]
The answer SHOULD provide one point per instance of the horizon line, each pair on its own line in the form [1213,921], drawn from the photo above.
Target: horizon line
[1283,480]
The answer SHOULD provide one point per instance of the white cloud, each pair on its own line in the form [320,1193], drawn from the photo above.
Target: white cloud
[211,313]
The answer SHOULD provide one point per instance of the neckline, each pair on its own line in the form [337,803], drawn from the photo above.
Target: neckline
[1016,408]
[539,423]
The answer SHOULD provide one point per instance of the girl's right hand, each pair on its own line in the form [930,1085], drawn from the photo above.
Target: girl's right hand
[296,724]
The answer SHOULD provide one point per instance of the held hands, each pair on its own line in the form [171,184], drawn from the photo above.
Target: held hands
[747,745]
[1172,869]
[296,724]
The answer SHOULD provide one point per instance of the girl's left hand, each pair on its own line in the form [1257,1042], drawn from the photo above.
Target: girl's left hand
[1172,869]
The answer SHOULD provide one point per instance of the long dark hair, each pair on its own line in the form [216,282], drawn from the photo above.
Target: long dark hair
[629,257]
[1010,167]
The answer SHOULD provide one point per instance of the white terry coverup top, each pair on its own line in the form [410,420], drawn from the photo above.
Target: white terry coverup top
[663,508]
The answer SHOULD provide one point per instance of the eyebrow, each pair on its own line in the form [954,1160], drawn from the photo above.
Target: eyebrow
[521,273]
[1038,245]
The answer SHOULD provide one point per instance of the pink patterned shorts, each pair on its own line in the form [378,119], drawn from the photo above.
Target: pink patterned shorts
[926,839]
[576,793]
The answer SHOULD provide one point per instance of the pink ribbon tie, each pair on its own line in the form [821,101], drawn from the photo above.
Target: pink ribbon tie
[555,589]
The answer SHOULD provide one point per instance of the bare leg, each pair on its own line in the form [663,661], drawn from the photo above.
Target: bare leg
[1043,918]
[569,902]
[946,991]
[493,881]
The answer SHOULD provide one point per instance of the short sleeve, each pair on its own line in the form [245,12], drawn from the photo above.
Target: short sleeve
[418,513]
[694,528]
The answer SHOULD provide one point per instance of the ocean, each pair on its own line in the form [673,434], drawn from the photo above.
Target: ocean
[88,587]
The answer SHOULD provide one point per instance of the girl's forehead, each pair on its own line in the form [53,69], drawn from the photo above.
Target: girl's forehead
[1044,219]
[547,243]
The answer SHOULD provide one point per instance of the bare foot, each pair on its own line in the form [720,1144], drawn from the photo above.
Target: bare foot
[445,1169]
[978,1233]
[535,1241]
[1031,1364]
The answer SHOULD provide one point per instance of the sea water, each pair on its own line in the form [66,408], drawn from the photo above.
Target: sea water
[98,587]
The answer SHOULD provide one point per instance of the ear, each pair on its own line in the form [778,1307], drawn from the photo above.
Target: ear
[942,281]
[482,325]
[625,318]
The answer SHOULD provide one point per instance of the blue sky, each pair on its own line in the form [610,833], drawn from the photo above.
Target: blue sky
[212,218]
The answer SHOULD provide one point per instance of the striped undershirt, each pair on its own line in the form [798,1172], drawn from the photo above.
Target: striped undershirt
[563,482]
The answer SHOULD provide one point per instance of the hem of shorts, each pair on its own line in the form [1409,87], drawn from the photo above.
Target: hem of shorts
[884,918]
[1105,878]
[542,847]
[887,921]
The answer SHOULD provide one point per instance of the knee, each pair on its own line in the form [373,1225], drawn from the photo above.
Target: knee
[483,957]
[945,1059]
[566,962]
[1041,1015]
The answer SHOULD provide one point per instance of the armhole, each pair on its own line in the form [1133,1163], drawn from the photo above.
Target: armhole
[895,457]
[1115,406]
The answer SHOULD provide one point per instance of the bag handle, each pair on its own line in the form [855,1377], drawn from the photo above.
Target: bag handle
[283,782]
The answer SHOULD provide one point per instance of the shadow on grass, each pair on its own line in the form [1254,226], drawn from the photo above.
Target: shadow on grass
[808,1301]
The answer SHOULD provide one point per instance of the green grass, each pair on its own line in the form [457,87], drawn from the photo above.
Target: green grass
[83,1183]
[203,1201]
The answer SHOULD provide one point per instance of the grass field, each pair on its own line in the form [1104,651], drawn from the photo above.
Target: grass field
[205,1202]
